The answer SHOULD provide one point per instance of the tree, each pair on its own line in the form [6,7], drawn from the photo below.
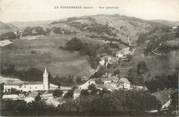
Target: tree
[102,70]
[99,81]
[70,106]
[104,91]
[33,74]
[69,94]
[39,30]
[142,67]
[37,98]
[27,31]
[79,80]
[84,93]
[74,44]
[174,102]
[1,90]
[134,77]
[92,89]
[8,35]
[57,93]
[117,72]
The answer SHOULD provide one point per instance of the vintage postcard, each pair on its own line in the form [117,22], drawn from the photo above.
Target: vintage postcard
[89,58]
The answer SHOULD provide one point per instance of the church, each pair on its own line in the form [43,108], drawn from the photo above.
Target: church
[45,85]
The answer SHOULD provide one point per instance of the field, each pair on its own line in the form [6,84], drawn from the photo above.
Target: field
[45,52]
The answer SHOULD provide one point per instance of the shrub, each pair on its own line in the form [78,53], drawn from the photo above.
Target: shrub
[74,44]
[69,94]
[57,93]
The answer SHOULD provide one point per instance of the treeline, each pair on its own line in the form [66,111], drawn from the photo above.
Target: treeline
[162,82]
[59,30]
[84,48]
[115,103]
[28,31]
[10,35]
[34,74]
[140,75]
[37,30]
[68,80]
[158,39]
[31,74]
[100,29]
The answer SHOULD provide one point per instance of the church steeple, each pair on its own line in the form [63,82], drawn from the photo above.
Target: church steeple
[45,80]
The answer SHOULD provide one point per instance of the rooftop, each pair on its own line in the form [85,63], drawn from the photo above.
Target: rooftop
[124,80]
[23,83]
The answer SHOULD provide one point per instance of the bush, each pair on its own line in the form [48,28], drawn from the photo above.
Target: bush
[64,81]
[27,31]
[57,93]
[38,30]
[162,82]
[74,44]
[142,67]
[69,94]
[61,31]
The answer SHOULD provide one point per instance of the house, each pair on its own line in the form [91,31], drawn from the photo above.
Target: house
[110,86]
[10,97]
[46,96]
[87,83]
[105,60]
[176,26]
[109,82]
[122,54]
[106,80]
[29,99]
[52,101]
[137,87]
[111,79]
[31,86]
[102,62]
[65,89]
[124,84]
[76,93]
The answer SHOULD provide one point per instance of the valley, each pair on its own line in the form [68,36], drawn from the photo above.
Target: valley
[103,50]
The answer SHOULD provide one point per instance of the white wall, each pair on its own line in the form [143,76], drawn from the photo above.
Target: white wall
[24,87]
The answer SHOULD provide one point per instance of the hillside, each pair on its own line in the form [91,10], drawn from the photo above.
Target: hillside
[6,27]
[116,27]
[22,25]
[46,50]
[111,26]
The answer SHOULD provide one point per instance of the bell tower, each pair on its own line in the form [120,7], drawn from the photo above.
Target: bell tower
[45,80]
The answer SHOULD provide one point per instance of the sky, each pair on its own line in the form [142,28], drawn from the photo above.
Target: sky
[33,10]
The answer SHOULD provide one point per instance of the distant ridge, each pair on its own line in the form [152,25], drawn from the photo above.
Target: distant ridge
[6,27]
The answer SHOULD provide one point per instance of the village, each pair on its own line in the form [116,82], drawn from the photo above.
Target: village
[110,76]
[55,95]
[28,91]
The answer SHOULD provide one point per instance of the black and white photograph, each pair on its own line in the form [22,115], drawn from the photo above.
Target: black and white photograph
[89,58]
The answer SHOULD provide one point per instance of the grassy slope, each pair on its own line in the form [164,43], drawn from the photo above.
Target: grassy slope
[45,52]
[6,27]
